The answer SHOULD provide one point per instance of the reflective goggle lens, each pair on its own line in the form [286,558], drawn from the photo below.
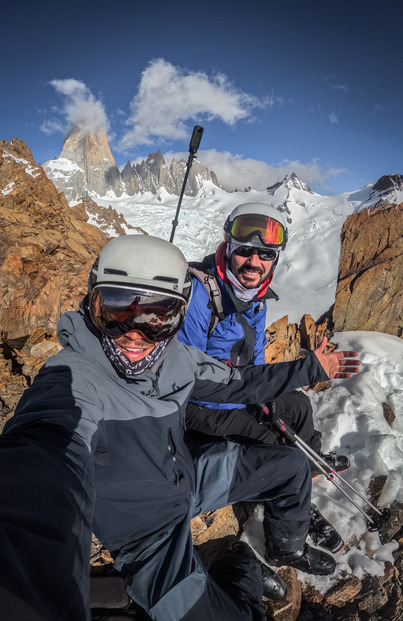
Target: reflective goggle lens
[117,310]
[245,227]
[264,254]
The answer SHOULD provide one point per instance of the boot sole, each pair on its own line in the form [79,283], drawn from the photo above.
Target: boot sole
[306,570]
[332,551]
[339,549]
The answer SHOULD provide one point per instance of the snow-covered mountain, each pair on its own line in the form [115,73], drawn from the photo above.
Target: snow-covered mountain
[86,167]
[146,194]
[306,276]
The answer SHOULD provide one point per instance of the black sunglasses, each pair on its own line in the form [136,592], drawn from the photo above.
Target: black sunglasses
[264,254]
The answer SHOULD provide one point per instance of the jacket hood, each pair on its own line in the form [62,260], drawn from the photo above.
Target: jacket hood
[76,333]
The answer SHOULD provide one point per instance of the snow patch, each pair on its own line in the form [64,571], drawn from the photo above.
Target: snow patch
[350,417]
[9,188]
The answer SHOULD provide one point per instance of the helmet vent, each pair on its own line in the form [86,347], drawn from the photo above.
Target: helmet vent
[109,270]
[166,279]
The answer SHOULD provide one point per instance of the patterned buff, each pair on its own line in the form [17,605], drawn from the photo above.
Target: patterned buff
[123,364]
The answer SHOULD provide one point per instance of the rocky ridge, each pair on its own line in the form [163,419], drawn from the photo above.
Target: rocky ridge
[86,167]
[46,250]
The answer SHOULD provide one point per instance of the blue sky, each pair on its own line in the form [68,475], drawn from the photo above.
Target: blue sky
[314,87]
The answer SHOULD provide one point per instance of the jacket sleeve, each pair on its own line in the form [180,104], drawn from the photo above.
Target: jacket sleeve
[260,338]
[215,381]
[46,487]
[195,327]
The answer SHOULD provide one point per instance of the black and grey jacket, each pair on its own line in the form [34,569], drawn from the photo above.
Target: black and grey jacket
[123,438]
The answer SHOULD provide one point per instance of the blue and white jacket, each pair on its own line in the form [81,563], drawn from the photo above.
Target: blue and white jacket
[240,337]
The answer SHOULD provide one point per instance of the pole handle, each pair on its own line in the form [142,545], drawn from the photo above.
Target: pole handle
[268,415]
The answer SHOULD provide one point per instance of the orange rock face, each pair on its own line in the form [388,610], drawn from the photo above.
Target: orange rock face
[369,293]
[289,341]
[46,250]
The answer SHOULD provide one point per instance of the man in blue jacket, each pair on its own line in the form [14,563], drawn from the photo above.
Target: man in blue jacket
[96,444]
[227,320]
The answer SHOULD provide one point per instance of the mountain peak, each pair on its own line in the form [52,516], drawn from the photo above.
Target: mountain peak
[388,183]
[290,182]
[86,166]
[388,189]
[293,181]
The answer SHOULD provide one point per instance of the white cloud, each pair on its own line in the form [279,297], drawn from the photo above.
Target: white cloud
[377,108]
[234,171]
[341,87]
[80,108]
[52,126]
[333,117]
[169,96]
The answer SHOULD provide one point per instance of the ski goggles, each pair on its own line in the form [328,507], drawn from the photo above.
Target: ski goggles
[243,228]
[118,310]
[264,254]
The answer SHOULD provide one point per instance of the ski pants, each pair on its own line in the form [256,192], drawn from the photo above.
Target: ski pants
[241,424]
[168,579]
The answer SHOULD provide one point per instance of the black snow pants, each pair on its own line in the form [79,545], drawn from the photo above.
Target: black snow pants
[168,579]
[242,426]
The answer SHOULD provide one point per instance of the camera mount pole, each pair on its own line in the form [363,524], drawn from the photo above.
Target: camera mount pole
[193,146]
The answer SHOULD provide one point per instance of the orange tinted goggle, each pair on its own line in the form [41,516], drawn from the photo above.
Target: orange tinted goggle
[247,226]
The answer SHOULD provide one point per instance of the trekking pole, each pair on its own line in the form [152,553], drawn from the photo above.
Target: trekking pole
[193,146]
[373,523]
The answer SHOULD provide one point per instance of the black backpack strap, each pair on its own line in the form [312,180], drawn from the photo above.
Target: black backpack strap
[203,272]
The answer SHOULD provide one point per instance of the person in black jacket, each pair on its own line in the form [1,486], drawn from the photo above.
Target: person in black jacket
[97,444]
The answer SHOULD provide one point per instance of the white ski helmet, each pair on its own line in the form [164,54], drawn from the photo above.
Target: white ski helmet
[258,225]
[139,283]
[145,262]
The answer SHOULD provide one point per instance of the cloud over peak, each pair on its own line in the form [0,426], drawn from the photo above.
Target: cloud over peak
[80,108]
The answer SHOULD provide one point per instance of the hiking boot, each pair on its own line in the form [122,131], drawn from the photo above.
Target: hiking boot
[310,560]
[338,463]
[273,586]
[323,534]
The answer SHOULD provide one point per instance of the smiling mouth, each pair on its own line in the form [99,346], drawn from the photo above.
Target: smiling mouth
[251,272]
[136,348]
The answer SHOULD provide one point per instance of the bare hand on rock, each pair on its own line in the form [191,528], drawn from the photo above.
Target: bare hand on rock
[337,364]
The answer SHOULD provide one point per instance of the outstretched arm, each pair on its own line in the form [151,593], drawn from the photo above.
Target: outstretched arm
[337,364]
